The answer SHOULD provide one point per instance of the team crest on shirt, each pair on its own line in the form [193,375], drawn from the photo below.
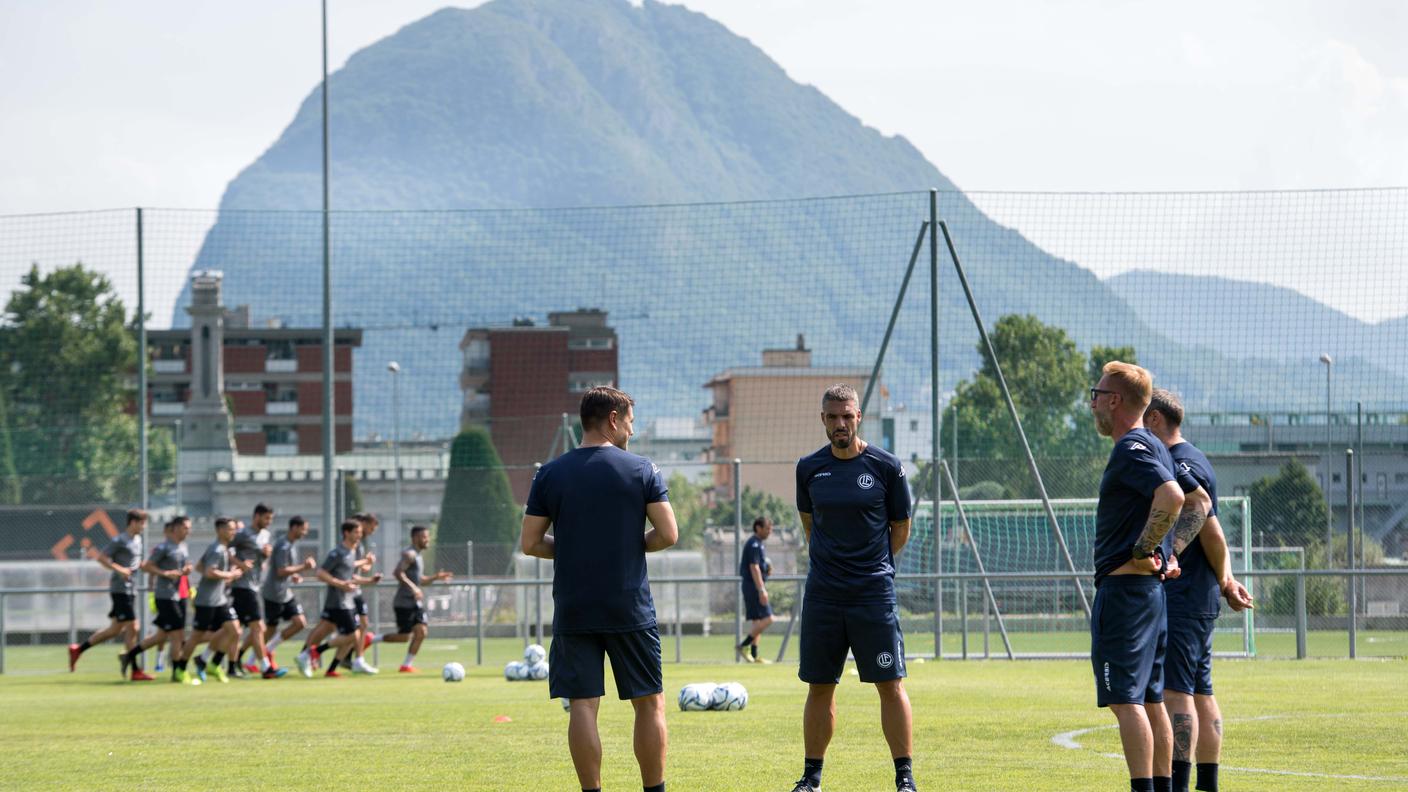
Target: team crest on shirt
[1138,446]
[1185,467]
[884,659]
[865,481]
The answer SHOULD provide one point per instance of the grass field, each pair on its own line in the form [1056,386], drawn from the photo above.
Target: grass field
[978,725]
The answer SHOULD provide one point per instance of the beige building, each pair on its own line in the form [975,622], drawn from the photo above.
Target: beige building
[769,416]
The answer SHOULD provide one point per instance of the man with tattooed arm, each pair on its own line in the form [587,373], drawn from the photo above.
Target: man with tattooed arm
[1141,496]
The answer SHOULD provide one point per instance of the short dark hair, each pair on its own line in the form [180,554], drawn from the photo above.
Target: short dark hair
[366,517]
[171,523]
[136,515]
[261,508]
[840,392]
[599,402]
[221,522]
[415,529]
[1167,403]
[348,526]
[296,519]
[759,522]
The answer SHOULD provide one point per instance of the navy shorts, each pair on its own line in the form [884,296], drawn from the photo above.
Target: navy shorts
[344,620]
[408,618]
[753,608]
[124,607]
[575,670]
[170,615]
[359,606]
[1188,667]
[275,612]
[248,606]
[213,617]
[871,633]
[1128,635]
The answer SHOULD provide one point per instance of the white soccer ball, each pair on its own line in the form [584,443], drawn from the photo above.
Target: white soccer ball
[452,672]
[516,671]
[718,697]
[735,696]
[534,653]
[538,670]
[696,697]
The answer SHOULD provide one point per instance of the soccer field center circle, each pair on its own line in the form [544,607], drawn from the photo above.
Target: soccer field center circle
[1068,740]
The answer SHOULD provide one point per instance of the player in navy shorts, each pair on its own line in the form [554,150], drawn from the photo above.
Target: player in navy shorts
[753,571]
[854,505]
[595,499]
[1193,606]
[1140,498]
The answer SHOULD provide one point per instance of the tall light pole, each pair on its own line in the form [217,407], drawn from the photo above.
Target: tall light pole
[1329,505]
[395,369]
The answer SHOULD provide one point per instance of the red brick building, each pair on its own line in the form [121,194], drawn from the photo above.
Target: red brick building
[519,380]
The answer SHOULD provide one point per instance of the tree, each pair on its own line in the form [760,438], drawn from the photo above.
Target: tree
[756,503]
[691,512]
[67,355]
[1289,508]
[478,504]
[351,495]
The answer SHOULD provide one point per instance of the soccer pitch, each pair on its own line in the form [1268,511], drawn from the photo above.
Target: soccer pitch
[1031,725]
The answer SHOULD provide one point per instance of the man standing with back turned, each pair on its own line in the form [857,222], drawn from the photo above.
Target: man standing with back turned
[1140,497]
[855,513]
[596,499]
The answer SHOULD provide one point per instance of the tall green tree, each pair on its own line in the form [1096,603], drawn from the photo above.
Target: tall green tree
[67,355]
[1289,508]
[478,504]
[691,511]
[756,503]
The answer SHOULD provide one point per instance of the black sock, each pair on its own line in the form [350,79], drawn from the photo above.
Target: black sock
[217,658]
[239,658]
[1207,776]
[904,768]
[747,640]
[322,647]
[754,650]
[593,789]
[1141,785]
[181,664]
[85,646]
[199,662]
[1163,784]
[660,787]
[333,665]
[1181,771]
[811,772]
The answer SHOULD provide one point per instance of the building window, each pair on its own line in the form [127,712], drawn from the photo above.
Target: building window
[590,343]
[232,386]
[584,384]
[914,425]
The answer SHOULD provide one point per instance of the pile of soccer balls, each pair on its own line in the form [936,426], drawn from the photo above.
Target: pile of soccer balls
[533,666]
[701,696]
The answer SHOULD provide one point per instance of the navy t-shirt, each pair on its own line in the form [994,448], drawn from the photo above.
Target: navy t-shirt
[753,553]
[1195,591]
[596,498]
[852,503]
[1139,464]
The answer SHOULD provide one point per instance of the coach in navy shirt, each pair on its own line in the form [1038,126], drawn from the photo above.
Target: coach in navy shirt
[1193,606]
[597,499]
[854,506]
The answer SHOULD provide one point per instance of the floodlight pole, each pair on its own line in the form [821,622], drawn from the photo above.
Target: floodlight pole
[934,419]
[329,359]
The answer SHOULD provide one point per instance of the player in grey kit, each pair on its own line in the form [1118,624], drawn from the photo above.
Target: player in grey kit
[122,555]
[279,602]
[167,564]
[339,572]
[215,621]
[251,546]
[411,623]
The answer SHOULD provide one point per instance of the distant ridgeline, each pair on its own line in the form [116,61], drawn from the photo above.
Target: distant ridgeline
[531,103]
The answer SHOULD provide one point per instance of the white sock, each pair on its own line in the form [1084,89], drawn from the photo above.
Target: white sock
[264,663]
[205,656]
[410,659]
[274,642]
[377,637]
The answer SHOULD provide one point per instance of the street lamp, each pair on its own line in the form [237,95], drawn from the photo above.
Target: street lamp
[1329,507]
[395,369]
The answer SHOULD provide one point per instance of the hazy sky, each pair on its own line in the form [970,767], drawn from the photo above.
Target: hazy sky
[161,103]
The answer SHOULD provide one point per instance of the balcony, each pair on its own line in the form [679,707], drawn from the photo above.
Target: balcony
[168,408]
[281,365]
[281,449]
[169,366]
[281,408]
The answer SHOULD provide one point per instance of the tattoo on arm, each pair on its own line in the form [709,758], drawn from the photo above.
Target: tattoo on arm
[1190,522]
[1154,530]
[1182,737]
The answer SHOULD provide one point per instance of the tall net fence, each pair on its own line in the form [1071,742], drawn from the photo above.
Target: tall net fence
[1278,317]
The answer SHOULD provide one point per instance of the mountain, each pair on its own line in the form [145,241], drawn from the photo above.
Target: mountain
[446,135]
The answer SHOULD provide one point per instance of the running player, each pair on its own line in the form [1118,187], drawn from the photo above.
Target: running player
[753,570]
[411,623]
[338,571]
[855,510]
[279,602]
[215,620]
[122,556]
[366,562]
[1206,570]
[251,547]
[167,564]
[596,498]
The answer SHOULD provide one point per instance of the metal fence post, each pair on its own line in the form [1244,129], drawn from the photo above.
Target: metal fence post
[72,618]
[478,626]
[679,625]
[4,637]
[1349,552]
[737,553]
[963,613]
[1300,615]
[374,621]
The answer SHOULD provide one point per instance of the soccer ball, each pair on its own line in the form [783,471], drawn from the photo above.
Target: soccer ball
[534,654]
[718,697]
[735,696]
[516,671]
[452,672]
[538,670]
[696,697]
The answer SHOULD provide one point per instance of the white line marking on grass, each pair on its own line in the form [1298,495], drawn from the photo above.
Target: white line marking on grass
[1068,740]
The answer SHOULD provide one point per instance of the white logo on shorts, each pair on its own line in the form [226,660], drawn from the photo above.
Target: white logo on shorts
[884,659]
[865,481]
[1107,676]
